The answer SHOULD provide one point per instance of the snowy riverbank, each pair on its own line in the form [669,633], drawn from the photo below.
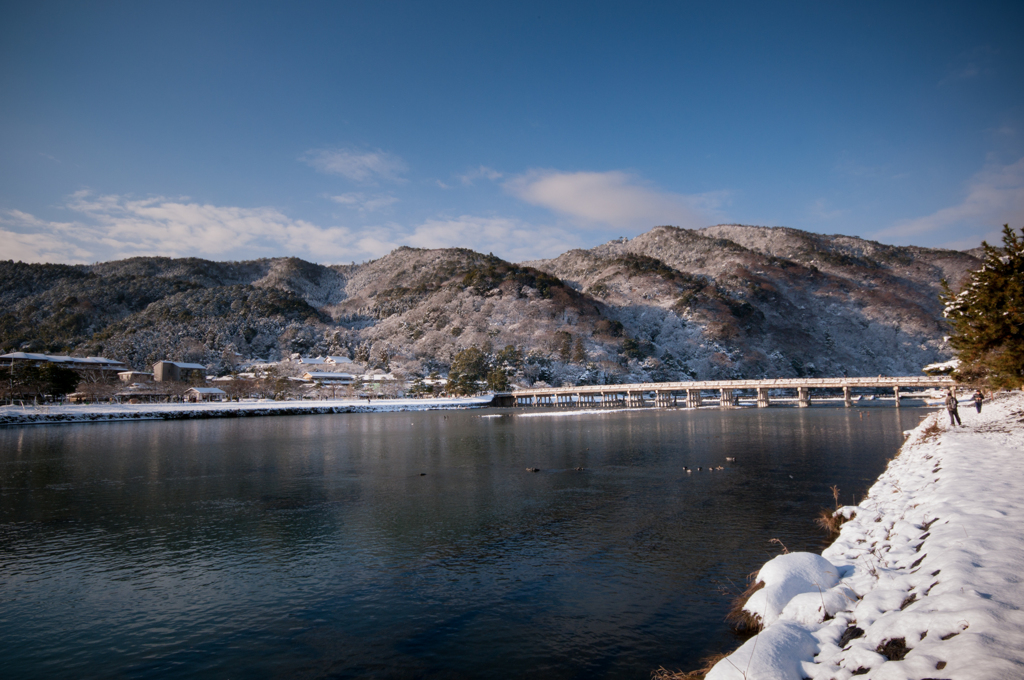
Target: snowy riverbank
[29,415]
[923,582]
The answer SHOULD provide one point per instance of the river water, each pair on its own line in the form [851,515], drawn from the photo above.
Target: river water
[408,544]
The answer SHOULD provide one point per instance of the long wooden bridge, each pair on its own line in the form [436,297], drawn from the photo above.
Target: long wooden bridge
[729,392]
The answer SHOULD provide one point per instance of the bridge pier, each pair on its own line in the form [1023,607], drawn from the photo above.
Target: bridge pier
[762,397]
[847,396]
[726,398]
[803,397]
[693,399]
[896,391]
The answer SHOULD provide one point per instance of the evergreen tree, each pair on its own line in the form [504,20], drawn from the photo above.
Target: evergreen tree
[28,378]
[468,366]
[497,380]
[987,316]
[563,345]
[509,358]
[59,380]
[579,352]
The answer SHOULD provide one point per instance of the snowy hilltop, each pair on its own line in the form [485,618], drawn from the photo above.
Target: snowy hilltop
[923,581]
[671,304]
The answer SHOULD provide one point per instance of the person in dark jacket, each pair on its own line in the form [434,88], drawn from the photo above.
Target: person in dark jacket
[978,398]
[951,406]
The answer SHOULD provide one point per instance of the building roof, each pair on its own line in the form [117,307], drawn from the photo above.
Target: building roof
[206,390]
[377,377]
[338,360]
[182,364]
[326,375]
[134,373]
[98,362]
[316,361]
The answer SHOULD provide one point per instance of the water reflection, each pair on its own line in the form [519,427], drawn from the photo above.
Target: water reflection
[407,544]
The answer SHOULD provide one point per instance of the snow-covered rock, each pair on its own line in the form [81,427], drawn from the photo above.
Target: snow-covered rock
[787,576]
[779,653]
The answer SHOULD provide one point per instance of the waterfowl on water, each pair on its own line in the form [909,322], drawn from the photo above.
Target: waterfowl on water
[729,459]
[533,469]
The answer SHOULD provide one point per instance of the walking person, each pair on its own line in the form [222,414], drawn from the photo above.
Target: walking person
[951,407]
[978,398]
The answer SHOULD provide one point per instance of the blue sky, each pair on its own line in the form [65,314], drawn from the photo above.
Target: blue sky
[338,131]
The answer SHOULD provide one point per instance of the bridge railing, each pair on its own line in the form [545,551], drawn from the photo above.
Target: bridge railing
[776,383]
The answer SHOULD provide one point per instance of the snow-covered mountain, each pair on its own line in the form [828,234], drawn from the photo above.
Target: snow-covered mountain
[725,301]
[758,301]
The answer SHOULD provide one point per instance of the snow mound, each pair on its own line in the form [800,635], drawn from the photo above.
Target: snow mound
[779,653]
[786,577]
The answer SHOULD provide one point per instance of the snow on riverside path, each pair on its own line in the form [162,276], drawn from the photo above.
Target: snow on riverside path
[928,573]
[29,415]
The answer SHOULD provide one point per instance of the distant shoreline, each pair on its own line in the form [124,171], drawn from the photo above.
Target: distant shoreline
[12,416]
[108,413]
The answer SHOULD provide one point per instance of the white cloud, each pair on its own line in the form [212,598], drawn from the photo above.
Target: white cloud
[965,73]
[613,198]
[114,227]
[363,202]
[361,166]
[507,238]
[482,172]
[1005,130]
[27,238]
[972,64]
[819,210]
[995,196]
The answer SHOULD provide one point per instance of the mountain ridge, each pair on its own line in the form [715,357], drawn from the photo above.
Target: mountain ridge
[723,301]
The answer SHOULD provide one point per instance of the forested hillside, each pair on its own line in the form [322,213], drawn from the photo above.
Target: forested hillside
[726,301]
